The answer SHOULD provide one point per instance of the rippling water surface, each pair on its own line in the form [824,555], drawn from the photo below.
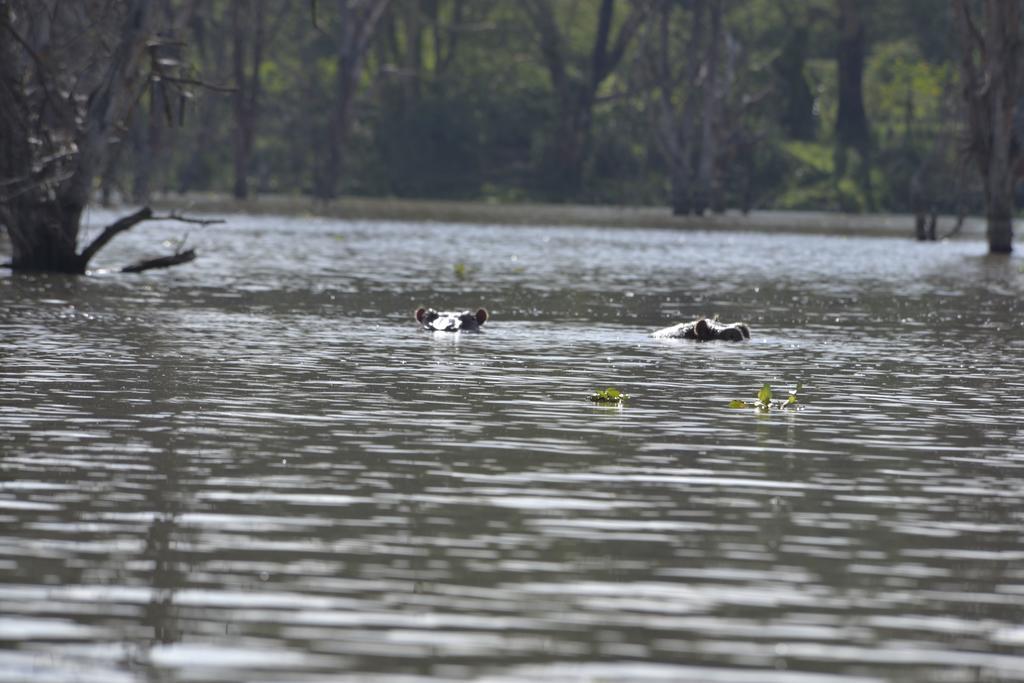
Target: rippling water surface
[256,468]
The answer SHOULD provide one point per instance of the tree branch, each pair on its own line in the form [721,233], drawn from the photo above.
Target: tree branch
[173,216]
[112,230]
[550,38]
[130,221]
[626,32]
[161,262]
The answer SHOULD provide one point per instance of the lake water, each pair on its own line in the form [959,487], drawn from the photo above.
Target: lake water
[256,467]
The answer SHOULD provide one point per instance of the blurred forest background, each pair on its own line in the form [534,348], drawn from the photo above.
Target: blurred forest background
[703,104]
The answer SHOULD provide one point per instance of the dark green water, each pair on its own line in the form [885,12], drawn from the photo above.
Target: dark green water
[256,468]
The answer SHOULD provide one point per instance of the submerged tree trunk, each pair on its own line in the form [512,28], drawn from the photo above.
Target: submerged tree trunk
[44,235]
[43,206]
[57,122]
[990,67]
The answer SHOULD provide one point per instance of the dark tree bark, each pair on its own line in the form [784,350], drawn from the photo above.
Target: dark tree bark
[852,128]
[707,177]
[154,130]
[675,106]
[357,22]
[44,202]
[990,68]
[851,121]
[148,139]
[66,89]
[212,55]
[797,115]
[247,45]
[575,80]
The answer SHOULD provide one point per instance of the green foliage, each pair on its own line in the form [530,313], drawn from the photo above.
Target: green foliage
[814,156]
[609,396]
[467,108]
[902,91]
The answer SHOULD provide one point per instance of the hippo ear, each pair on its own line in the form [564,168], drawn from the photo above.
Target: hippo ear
[420,312]
[703,329]
[481,316]
[745,329]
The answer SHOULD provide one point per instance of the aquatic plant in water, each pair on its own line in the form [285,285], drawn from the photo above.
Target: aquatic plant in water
[764,402]
[609,396]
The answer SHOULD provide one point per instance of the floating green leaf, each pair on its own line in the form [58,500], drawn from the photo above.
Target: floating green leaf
[609,396]
[461,271]
[764,402]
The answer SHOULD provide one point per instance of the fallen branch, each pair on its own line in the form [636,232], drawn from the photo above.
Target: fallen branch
[130,221]
[183,219]
[161,262]
[112,230]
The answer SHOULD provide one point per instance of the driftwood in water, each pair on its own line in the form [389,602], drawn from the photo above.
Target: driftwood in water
[161,262]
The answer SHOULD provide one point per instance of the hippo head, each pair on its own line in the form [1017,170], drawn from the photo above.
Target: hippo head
[451,321]
[706,330]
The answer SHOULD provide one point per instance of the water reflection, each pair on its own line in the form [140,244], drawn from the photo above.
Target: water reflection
[256,467]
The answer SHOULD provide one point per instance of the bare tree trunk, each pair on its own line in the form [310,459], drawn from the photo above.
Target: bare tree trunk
[358,21]
[212,55]
[852,128]
[1003,25]
[147,139]
[42,212]
[707,178]
[683,172]
[798,120]
[57,124]
[990,66]
[247,16]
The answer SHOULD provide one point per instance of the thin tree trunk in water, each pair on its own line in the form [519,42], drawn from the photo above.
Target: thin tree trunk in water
[707,181]
[990,67]
[1003,25]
